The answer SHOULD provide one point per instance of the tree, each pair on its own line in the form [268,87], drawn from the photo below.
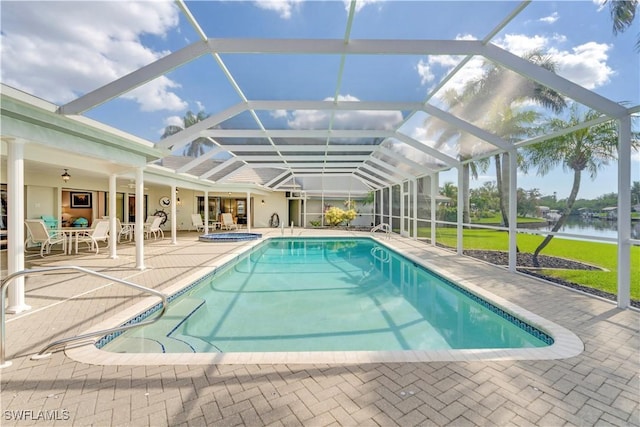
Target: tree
[635,192]
[196,147]
[451,191]
[485,199]
[587,149]
[528,201]
[493,102]
[622,15]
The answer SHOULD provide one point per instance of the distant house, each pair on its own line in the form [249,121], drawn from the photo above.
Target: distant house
[586,213]
[609,213]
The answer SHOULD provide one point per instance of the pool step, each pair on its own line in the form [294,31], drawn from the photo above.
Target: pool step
[176,313]
[199,345]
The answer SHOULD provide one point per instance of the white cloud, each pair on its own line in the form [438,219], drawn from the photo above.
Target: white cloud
[319,119]
[424,71]
[284,8]
[585,65]
[550,19]
[156,96]
[82,46]
[174,121]
[472,69]
[519,44]
[279,114]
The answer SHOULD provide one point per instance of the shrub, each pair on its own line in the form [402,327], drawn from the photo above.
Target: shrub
[335,216]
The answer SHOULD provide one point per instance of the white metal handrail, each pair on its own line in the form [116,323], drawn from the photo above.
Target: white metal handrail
[380,254]
[382,227]
[43,353]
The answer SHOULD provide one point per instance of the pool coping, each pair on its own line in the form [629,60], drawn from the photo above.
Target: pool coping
[566,343]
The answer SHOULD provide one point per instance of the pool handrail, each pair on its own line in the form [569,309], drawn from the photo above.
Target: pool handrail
[383,227]
[376,250]
[43,353]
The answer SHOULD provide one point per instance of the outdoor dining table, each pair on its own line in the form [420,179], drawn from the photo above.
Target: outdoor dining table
[69,234]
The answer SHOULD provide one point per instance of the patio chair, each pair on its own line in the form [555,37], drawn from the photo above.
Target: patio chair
[50,221]
[38,233]
[196,221]
[123,230]
[153,227]
[226,222]
[99,233]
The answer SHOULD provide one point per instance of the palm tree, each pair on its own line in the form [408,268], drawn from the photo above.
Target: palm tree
[622,15]
[587,149]
[196,147]
[489,101]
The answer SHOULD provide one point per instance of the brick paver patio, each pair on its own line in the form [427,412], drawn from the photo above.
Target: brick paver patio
[598,387]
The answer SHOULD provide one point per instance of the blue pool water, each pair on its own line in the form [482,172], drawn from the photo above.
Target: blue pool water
[326,295]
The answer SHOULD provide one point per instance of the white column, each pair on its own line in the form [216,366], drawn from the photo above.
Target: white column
[624,211]
[304,210]
[248,213]
[403,232]
[15,225]
[113,235]
[390,206]
[381,212]
[459,241]
[174,216]
[513,210]
[206,212]
[126,206]
[414,186]
[140,219]
[434,206]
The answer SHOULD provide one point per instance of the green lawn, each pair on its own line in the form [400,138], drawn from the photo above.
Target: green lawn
[497,219]
[602,255]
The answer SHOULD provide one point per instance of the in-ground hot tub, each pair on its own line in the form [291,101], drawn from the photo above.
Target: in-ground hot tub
[229,237]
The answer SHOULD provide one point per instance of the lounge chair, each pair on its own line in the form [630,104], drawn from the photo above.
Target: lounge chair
[98,233]
[38,233]
[226,222]
[196,221]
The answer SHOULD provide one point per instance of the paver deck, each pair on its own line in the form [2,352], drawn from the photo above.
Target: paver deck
[600,386]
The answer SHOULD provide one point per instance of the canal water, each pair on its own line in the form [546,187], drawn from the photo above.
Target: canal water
[594,227]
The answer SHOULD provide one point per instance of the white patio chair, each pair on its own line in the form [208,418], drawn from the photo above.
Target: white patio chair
[38,233]
[196,221]
[226,222]
[123,230]
[98,233]
[153,228]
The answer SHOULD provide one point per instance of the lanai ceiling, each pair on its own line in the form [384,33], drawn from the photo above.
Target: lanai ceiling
[282,135]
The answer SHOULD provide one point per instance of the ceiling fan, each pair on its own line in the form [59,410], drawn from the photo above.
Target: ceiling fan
[132,185]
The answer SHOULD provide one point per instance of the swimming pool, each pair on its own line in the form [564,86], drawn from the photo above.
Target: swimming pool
[306,295]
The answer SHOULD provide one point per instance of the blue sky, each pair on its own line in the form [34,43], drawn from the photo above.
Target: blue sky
[61,50]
